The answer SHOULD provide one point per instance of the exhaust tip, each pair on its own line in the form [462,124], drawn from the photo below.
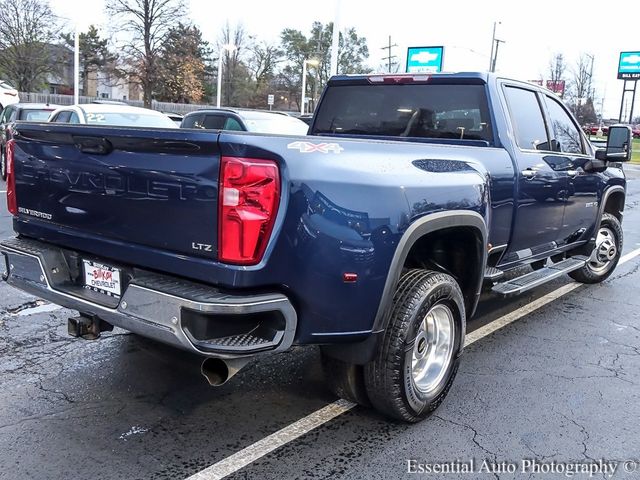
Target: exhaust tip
[215,371]
[218,371]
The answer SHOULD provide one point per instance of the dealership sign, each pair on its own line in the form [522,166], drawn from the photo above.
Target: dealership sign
[424,59]
[629,66]
[556,86]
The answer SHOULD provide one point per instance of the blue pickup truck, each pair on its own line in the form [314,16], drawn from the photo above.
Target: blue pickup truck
[371,237]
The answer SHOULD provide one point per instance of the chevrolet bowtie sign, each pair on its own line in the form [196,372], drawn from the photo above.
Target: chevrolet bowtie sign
[629,66]
[424,59]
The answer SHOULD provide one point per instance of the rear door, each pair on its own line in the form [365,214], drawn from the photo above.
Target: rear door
[541,185]
[570,154]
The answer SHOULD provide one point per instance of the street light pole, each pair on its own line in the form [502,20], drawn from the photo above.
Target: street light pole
[219,89]
[304,81]
[76,68]
[304,85]
[228,48]
[335,41]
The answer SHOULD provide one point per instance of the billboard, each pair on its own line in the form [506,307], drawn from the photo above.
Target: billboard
[556,86]
[424,59]
[629,66]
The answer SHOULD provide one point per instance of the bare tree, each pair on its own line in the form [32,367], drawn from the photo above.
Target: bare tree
[235,74]
[28,28]
[580,89]
[262,62]
[557,68]
[147,22]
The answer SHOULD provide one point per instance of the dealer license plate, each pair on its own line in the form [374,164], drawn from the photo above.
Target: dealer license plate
[102,278]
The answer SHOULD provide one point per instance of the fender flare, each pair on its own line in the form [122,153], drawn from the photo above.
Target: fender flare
[605,197]
[418,229]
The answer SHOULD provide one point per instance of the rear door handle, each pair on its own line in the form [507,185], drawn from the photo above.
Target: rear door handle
[528,173]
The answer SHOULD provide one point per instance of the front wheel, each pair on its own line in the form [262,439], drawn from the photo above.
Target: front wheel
[419,354]
[605,255]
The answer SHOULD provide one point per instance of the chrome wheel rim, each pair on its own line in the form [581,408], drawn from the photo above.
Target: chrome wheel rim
[605,251]
[433,348]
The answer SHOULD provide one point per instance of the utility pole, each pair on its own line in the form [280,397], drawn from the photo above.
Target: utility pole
[389,58]
[492,63]
[495,54]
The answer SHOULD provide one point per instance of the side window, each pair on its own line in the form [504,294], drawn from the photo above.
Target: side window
[232,124]
[74,118]
[566,136]
[63,117]
[12,115]
[214,122]
[192,121]
[3,116]
[527,119]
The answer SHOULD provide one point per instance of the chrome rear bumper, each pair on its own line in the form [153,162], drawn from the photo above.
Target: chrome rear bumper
[168,309]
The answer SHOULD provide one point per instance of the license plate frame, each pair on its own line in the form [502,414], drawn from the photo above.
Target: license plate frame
[102,278]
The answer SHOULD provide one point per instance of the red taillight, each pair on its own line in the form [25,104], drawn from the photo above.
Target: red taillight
[249,196]
[12,203]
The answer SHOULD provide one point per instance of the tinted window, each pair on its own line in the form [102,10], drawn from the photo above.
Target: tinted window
[232,124]
[63,117]
[192,121]
[566,134]
[527,119]
[214,122]
[413,110]
[35,115]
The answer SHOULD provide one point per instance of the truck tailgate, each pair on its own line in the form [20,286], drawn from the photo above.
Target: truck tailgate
[140,186]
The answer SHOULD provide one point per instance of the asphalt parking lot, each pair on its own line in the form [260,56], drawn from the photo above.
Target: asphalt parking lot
[560,384]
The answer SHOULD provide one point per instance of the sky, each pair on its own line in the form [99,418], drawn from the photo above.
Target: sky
[532,31]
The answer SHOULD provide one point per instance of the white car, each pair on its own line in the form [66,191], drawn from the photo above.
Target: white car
[244,120]
[8,95]
[111,115]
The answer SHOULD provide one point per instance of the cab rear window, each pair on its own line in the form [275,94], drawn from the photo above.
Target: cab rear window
[401,110]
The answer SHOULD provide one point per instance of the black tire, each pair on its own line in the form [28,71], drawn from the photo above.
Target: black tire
[590,274]
[388,378]
[345,380]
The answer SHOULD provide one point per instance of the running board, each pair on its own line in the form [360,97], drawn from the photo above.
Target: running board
[531,280]
[493,274]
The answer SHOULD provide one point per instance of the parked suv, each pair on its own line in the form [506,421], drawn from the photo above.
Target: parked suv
[28,112]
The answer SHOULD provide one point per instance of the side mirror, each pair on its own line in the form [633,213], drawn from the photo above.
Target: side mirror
[619,144]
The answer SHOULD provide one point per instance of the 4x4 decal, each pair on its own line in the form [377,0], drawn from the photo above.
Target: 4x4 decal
[309,147]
